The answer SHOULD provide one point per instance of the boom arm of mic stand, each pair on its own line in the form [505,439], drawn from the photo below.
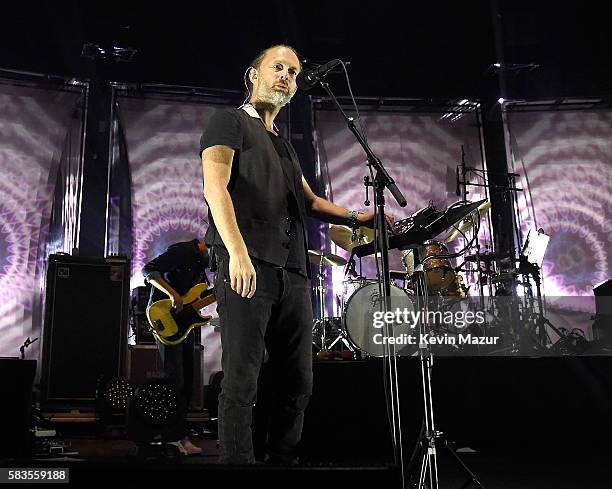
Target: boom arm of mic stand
[382,179]
[372,158]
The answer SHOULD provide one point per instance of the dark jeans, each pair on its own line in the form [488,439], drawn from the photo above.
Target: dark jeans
[278,319]
[178,367]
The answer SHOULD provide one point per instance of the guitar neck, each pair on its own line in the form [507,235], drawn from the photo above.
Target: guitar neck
[208,299]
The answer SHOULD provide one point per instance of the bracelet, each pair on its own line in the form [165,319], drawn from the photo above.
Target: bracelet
[352,219]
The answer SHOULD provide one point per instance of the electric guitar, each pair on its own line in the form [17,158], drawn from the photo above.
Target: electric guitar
[171,327]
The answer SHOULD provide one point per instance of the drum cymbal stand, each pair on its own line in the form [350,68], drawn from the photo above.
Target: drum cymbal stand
[343,337]
[426,446]
[321,320]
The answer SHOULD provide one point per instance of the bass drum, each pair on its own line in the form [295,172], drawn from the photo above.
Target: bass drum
[358,317]
[349,287]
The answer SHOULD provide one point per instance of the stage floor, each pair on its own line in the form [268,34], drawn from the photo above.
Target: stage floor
[111,461]
[533,423]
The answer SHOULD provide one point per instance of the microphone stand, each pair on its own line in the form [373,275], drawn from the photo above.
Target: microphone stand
[382,180]
[26,344]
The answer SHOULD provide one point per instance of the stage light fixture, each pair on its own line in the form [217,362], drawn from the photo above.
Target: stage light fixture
[156,402]
[457,109]
[112,53]
[117,393]
[154,414]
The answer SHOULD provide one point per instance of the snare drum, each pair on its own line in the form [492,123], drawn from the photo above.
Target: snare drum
[358,316]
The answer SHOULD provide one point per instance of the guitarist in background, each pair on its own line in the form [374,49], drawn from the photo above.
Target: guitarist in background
[172,274]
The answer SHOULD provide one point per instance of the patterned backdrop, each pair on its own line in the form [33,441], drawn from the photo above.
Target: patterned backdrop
[34,124]
[567,158]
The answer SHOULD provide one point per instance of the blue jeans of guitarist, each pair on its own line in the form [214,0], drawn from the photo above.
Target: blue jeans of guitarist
[276,320]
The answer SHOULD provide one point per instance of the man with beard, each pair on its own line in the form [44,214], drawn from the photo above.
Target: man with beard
[258,202]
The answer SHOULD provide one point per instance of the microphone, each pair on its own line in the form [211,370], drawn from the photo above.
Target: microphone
[309,78]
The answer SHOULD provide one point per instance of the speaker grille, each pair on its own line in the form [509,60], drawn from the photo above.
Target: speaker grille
[85,330]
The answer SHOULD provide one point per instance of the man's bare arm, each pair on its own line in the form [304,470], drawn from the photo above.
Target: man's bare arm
[329,212]
[165,287]
[216,168]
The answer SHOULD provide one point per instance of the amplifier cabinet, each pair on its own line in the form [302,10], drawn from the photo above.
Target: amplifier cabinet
[85,326]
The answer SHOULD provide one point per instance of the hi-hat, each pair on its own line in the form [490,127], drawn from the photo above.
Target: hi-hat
[465,224]
[343,236]
[327,259]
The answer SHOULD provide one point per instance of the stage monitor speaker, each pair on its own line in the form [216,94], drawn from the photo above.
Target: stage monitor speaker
[144,364]
[85,329]
[15,408]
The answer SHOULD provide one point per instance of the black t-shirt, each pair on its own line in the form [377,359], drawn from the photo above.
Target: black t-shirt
[225,129]
[182,265]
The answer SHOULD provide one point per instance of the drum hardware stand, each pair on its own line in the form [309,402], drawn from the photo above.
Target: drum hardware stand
[489,273]
[500,188]
[527,268]
[462,183]
[322,320]
[429,437]
[530,260]
[477,244]
[382,180]
[342,336]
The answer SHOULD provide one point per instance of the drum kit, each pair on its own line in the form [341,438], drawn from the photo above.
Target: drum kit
[349,335]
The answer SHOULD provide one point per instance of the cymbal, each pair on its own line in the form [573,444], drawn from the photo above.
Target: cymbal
[328,259]
[466,223]
[343,236]
[487,256]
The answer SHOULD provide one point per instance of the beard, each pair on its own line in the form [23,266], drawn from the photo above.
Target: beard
[267,96]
